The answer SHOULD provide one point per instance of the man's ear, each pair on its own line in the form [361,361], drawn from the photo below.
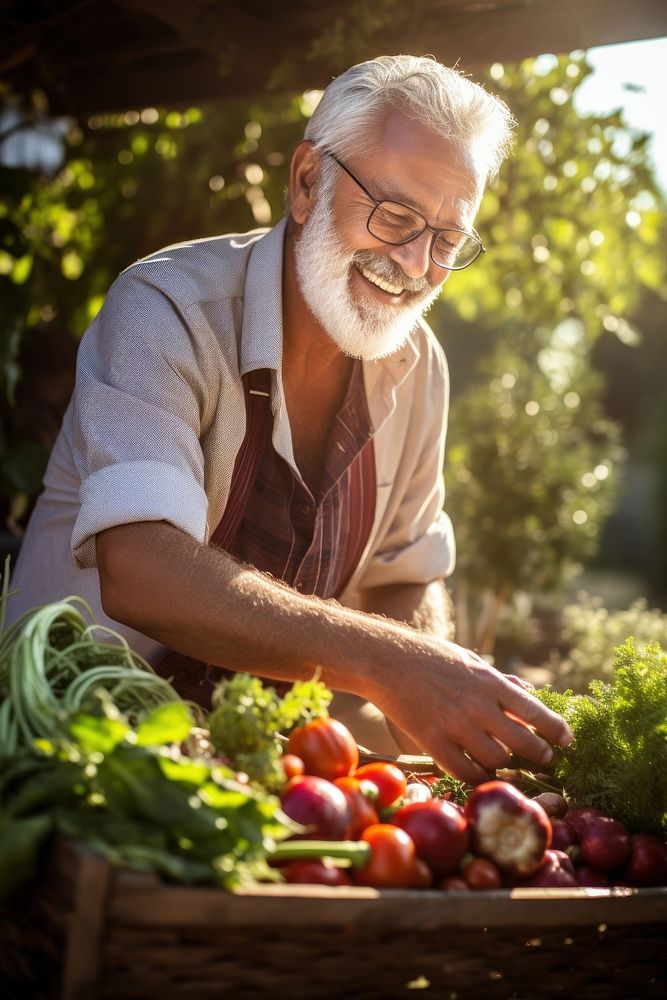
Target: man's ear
[303,176]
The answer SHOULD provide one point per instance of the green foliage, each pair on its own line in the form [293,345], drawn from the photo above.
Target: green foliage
[593,633]
[136,799]
[248,716]
[575,224]
[530,475]
[575,227]
[617,761]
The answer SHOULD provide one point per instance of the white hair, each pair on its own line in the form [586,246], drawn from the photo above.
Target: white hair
[422,89]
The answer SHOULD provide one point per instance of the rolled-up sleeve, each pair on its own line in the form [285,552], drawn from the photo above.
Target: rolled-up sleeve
[138,404]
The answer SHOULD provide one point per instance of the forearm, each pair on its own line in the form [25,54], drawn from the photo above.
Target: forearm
[199,601]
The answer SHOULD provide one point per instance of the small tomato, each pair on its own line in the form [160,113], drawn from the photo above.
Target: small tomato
[392,861]
[292,765]
[387,778]
[362,809]
[479,873]
[315,871]
[422,876]
[454,883]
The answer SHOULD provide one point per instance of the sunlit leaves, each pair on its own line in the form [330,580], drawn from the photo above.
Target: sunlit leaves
[530,473]
[583,187]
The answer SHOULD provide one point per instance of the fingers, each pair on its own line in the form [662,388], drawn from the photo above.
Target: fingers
[522,740]
[530,711]
[520,682]
[452,760]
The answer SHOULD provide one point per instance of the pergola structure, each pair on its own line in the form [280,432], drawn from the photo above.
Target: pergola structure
[105,55]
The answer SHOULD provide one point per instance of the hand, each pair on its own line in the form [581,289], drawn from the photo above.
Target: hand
[467,715]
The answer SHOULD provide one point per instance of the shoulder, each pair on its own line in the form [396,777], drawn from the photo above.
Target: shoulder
[431,367]
[197,270]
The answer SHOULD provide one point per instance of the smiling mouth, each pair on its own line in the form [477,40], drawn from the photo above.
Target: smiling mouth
[379,282]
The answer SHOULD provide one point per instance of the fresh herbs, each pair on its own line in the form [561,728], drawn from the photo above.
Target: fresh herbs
[448,787]
[248,716]
[618,759]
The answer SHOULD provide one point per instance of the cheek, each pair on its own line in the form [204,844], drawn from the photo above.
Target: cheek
[351,225]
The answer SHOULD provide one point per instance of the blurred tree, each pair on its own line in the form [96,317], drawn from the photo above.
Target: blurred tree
[576,228]
[530,472]
[575,223]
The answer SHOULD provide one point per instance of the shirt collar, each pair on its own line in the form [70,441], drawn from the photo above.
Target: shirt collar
[262,330]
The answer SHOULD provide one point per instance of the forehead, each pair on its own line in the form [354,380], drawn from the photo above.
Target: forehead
[408,162]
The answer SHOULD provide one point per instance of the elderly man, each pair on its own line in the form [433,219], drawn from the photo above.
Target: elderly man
[250,470]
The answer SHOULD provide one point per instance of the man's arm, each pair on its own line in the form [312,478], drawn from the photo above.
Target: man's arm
[425,606]
[201,602]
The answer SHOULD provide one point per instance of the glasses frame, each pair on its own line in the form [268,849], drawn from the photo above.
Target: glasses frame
[436,232]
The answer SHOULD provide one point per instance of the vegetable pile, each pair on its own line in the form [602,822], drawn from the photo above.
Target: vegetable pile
[97,748]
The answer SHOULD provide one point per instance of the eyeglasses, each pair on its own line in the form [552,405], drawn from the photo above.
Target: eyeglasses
[396,224]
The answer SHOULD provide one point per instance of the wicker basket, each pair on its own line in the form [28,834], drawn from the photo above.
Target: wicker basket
[92,930]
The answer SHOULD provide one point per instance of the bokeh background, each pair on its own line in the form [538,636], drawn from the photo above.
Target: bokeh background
[115,141]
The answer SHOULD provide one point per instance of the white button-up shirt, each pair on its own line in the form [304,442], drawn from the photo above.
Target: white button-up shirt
[158,416]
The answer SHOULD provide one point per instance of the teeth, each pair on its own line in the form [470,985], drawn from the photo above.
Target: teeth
[380,282]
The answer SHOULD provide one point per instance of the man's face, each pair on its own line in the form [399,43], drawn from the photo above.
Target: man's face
[368,295]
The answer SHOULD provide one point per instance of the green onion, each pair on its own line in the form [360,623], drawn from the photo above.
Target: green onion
[53,661]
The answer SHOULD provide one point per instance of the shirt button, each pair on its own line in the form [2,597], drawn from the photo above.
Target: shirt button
[304,508]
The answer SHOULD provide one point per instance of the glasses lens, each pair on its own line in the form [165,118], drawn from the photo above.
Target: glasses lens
[455,250]
[395,223]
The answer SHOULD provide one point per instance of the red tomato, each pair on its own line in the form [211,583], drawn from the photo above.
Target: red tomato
[439,831]
[453,883]
[479,873]
[292,765]
[315,871]
[362,810]
[389,780]
[392,862]
[326,747]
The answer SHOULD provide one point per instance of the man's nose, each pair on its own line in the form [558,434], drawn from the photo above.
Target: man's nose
[414,257]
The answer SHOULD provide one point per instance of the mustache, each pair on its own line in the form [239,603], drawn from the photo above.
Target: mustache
[392,272]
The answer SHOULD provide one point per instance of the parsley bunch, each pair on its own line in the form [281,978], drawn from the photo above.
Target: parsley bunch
[248,716]
[617,761]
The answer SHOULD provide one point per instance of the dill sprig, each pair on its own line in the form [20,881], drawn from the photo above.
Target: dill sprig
[618,758]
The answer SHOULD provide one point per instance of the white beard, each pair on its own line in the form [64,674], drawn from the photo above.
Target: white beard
[360,328]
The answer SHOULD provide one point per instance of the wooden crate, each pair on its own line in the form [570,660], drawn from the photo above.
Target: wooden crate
[92,930]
